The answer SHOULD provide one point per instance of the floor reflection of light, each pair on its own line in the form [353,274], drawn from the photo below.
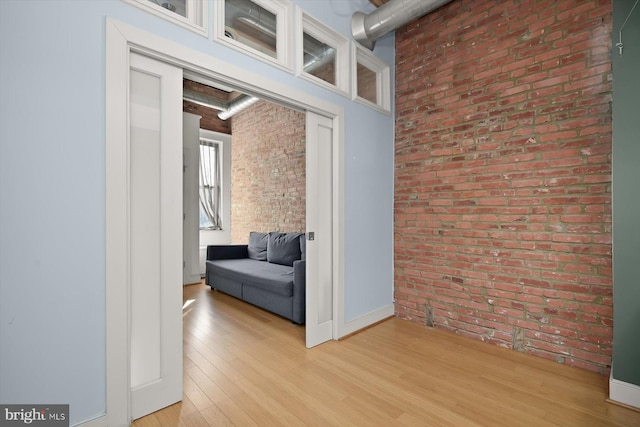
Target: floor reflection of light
[187,303]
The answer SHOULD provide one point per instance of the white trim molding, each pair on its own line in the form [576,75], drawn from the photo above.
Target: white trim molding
[196,19]
[366,320]
[117,269]
[623,392]
[101,421]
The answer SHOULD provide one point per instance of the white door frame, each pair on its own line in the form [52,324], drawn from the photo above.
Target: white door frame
[121,39]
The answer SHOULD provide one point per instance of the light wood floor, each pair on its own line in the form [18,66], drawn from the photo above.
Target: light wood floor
[246,367]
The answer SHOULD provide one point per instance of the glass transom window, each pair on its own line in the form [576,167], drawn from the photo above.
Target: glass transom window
[372,80]
[323,55]
[190,14]
[260,28]
[319,59]
[252,25]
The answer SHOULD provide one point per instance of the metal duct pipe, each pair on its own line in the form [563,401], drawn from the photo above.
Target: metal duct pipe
[316,62]
[265,22]
[366,29]
[227,109]
[237,105]
[204,100]
[244,101]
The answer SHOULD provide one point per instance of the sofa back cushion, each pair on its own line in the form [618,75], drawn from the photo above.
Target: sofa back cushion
[257,248]
[303,247]
[283,248]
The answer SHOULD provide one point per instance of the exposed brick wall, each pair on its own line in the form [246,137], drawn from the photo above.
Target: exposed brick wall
[209,120]
[503,185]
[268,180]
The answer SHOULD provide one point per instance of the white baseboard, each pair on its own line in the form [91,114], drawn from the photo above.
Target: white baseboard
[366,320]
[623,392]
[203,259]
[96,422]
[191,279]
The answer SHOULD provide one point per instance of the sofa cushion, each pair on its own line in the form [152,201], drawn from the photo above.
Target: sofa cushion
[272,277]
[303,247]
[283,248]
[257,248]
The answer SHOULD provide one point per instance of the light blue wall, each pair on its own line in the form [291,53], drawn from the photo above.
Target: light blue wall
[369,196]
[52,191]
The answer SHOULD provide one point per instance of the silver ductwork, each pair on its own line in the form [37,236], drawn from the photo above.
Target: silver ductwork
[238,104]
[204,100]
[227,109]
[366,29]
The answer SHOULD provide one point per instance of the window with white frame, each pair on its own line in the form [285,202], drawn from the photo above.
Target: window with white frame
[323,55]
[210,185]
[190,14]
[371,80]
[260,28]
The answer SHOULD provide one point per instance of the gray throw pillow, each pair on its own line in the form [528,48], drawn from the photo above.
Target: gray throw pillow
[257,248]
[283,248]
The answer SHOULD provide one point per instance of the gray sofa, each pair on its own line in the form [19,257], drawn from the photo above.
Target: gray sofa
[269,272]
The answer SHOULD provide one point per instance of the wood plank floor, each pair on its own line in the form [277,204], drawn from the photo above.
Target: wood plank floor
[246,367]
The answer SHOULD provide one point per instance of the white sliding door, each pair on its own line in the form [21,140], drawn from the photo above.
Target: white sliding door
[319,295]
[155,234]
[190,186]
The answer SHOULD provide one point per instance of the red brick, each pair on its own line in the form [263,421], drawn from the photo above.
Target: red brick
[268,138]
[503,203]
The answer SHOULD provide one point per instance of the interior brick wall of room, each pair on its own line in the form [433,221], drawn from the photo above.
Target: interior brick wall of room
[268,180]
[503,176]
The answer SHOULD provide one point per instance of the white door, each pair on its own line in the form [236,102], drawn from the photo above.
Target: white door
[155,236]
[191,166]
[319,295]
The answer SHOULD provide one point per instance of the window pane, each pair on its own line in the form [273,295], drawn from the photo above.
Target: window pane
[204,221]
[319,59]
[175,6]
[367,87]
[251,25]
[210,186]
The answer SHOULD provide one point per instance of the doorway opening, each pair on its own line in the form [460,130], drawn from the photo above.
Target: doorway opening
[324,219]
[244,172]
[258,150]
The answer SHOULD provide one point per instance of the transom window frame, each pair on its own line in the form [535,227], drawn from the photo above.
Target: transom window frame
[382,70]
[284,12]
[197,19]
[316,29]
[287,58]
